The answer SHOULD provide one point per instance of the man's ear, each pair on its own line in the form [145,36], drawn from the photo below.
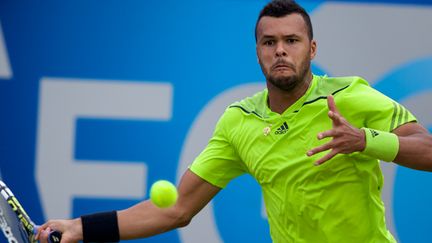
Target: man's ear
[313,49]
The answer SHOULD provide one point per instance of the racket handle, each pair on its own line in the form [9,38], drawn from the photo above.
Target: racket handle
[53,237]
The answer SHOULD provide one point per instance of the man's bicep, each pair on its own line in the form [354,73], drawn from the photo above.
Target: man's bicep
[410,128]
[195,193]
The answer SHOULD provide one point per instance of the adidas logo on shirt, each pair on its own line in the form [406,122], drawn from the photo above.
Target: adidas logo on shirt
[282,129]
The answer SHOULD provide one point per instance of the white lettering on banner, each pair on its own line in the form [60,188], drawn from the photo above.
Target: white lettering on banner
[59,176]
[203,228]
[5,69]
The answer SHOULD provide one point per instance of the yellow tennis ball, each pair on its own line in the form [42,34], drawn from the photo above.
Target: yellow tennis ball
[163,194]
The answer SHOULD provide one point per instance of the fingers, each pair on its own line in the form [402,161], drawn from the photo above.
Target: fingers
[326,134]
[331,104]
[326,157]
[44,231]
[344,135]
[333,146]
[39,230]
[42,234]
[333,111]
[336,118]
[320,149]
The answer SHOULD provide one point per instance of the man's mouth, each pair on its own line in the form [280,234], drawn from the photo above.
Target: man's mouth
[281,66]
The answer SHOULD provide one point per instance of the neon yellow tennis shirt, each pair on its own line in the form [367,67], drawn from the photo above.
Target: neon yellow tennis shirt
[338,201]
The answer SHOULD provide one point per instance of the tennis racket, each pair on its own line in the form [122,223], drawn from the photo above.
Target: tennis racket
[14,221]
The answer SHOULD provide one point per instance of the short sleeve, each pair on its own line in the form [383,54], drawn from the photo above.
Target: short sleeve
[219,163]
[363,103]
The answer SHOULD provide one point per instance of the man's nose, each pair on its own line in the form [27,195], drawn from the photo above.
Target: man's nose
[280,50]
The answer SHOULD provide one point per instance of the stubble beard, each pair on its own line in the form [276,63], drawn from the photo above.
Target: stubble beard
[289,83]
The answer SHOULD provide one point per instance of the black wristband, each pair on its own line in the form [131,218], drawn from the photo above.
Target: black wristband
[100,227]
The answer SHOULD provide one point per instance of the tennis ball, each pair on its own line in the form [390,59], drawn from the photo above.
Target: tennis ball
[163,194]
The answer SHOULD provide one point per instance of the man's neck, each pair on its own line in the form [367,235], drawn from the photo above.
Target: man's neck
[280,100]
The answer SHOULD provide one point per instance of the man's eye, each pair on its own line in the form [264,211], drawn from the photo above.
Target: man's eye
[292,41]
[269,43]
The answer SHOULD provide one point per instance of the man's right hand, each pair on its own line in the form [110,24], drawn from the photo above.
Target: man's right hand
[71,230]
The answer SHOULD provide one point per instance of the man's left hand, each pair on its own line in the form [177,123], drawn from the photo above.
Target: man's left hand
[346,138]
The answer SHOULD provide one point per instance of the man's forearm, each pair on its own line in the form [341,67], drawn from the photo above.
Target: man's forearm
[145,219]
[415,151]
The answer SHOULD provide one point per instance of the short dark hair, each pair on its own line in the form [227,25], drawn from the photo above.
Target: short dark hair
[281,8]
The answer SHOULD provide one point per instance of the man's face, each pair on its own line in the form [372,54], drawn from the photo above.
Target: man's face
[284,50]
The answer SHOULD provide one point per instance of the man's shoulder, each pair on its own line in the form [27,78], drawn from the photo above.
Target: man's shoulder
[251,105]
[333,85]
[236,112]
[336,84]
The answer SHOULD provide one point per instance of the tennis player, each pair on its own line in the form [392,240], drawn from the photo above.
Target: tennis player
[312,142]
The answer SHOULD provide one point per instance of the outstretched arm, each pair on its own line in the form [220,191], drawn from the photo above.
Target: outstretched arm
[145,219]
[415,147]
[415,142]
